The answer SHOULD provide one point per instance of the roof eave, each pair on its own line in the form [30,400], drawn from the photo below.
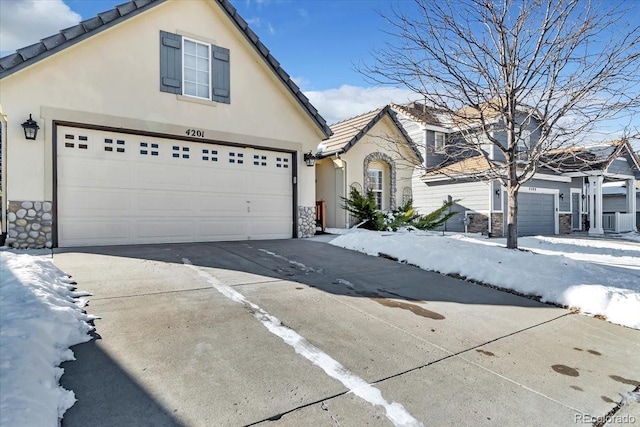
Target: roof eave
[262,50]
[70,42]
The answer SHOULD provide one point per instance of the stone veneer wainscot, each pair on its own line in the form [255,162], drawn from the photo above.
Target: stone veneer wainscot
[306,221]
[30,225]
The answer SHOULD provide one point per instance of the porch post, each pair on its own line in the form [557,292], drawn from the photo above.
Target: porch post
[595,204]
[631,200]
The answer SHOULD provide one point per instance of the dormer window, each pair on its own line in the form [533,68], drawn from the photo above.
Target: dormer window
[439,142]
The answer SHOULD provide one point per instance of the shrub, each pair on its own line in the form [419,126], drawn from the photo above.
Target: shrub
[363,208]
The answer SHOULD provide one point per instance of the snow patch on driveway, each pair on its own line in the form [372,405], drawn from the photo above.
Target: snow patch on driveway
[40,318]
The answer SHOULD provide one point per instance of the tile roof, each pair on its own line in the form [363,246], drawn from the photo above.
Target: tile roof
[29,55]
[470,167]
[490,110]
[348,132]
[421,113]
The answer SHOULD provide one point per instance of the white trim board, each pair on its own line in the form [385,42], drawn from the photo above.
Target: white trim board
[547,177]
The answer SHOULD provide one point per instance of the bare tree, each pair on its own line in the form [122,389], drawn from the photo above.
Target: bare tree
[552,68]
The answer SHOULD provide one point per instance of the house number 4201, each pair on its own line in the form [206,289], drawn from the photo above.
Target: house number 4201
[195,132]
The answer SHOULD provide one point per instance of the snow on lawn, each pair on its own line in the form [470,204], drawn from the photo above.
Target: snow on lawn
[597,276]
[40,318]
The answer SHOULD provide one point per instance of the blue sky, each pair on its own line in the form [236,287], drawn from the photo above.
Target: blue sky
[316,41]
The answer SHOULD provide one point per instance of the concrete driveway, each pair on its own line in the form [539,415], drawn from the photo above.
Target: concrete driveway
[299,332]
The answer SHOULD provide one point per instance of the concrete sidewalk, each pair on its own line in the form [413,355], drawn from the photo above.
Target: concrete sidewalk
[175,348]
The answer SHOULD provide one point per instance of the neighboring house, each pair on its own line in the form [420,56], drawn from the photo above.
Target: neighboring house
[159,121]
[560,198]
[370,152]
[599,167]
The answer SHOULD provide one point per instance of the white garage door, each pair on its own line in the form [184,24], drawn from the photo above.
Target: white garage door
[116,188]
[536,214]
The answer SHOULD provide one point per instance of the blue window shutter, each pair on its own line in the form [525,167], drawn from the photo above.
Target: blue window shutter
[170,63]
[220,73]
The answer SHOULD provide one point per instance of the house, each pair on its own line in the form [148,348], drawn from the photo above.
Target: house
[157,121]
[369,152]
[561,197]
[600,168]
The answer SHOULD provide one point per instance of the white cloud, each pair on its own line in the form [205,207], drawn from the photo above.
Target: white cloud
[270,28]
[348,101]
[24,22]
[254,22]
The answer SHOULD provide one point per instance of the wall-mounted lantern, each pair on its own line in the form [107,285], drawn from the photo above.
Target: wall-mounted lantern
[310,159]
[30,129]
[561,196]
[498,193]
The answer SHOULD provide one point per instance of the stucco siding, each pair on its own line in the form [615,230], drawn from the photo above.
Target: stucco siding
[382,138]
[382,148]
[329,188]
[98,82]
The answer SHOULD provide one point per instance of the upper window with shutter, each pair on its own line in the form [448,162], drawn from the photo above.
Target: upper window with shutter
[194,68]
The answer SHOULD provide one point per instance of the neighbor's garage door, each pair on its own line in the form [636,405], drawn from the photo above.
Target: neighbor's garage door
[116,188]
[536,214]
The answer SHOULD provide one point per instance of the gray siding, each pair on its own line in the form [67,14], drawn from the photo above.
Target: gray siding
[620,166]
[433,158]
[563,187]
[500,135]
[617,203]
[474,196]
[496,198]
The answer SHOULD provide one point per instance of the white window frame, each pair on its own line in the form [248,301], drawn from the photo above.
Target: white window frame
[378,193]
[439,147]
[210,59]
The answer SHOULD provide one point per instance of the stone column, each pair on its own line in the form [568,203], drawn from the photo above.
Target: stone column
[306,221]
[595,204]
